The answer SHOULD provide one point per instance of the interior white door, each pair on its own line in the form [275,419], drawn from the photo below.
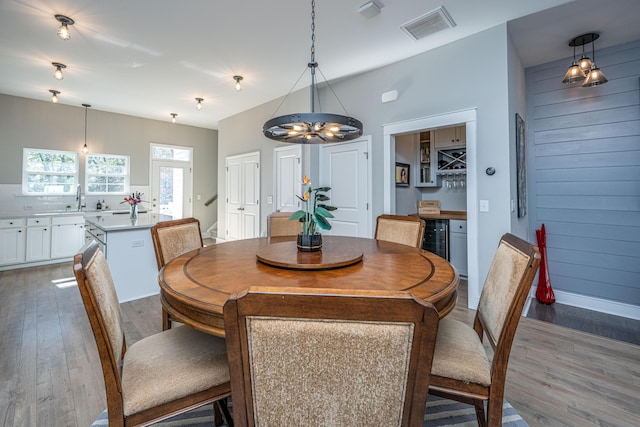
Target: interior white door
[171,188]
[288,178]
[251,196]
[234,198]
[345,168]
[243,196]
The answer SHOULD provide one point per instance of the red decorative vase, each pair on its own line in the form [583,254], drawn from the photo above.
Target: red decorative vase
[544,293]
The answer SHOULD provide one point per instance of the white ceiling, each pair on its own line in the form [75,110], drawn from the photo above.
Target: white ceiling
[150,58]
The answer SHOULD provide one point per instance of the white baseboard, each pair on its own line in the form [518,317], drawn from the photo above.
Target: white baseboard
[591,303]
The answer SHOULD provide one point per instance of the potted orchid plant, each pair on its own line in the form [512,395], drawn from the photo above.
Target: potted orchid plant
[313,216]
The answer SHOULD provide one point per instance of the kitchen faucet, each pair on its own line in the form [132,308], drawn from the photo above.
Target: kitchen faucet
[79,197]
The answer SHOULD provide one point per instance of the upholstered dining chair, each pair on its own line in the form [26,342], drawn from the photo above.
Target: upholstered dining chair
[301,357]
[461,368]
[408,230]
[159,376]
[279,224]
[172,239]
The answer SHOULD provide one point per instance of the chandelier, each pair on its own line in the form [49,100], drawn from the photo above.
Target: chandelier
[312,128]
[585,70]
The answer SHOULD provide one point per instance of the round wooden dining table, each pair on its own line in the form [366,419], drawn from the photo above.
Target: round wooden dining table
[195,286]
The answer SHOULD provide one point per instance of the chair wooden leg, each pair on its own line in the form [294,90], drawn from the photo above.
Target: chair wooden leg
[166,322]
[494,412]
[482,420]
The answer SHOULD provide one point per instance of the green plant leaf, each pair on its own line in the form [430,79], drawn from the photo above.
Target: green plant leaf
[322,212]
[327,207]
[297,215]
[322,223]
[319,189]
[321,198]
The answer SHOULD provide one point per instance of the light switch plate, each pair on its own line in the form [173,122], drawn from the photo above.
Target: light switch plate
[269,200]
[484,206]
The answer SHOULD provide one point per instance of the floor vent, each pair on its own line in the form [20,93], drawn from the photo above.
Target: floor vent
[429,23]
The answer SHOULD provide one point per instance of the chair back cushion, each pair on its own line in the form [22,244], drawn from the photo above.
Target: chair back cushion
[507,283]
[174,238]
[299,368]
[279,224]
[328,359]
[407,230]
[102,306]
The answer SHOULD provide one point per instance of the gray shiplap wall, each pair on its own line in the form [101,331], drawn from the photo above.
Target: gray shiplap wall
[584,146]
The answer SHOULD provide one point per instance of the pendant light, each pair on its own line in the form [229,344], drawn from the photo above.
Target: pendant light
[594,76]
[574,73]
[312,128]
[199,103]
[173,117]
[85,149]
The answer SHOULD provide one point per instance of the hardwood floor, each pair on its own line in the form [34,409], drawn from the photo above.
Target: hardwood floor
[593,322]
[50,372]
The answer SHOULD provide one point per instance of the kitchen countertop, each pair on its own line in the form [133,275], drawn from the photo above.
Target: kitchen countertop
[456,215]
[124,222]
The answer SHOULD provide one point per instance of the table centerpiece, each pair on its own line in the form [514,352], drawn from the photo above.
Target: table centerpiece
[313,216]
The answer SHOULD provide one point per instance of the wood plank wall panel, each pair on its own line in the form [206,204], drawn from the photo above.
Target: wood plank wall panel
[584,174]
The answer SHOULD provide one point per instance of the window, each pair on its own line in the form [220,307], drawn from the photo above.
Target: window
[107,174]
[166,152]
[49,172]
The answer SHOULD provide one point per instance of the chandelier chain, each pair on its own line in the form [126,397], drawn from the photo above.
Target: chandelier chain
[313,31]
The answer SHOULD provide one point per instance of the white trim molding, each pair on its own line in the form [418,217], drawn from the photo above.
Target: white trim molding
[615,308]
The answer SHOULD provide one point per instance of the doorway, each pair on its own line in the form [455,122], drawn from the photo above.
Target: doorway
[346,169]
[468,118]
[243,196]
[172,180]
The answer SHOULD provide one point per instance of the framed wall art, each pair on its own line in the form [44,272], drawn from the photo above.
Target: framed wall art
[402,174]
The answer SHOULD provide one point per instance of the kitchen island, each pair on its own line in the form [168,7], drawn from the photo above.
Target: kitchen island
[128,248]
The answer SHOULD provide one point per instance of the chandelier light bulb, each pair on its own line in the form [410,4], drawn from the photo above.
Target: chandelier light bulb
[58,73]
[585,64]
[54,95]
[238,79]
[199,104]
[85,149]
[63,31]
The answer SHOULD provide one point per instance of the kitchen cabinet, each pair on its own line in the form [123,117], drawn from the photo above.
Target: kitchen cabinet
[425,164]
[12,240]
[451,137]
[38,239]
[67,236]
[458,246]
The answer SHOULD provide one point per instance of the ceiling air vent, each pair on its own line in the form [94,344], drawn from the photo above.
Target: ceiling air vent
[429,23]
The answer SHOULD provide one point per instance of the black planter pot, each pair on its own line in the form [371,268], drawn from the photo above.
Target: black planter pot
[309,242]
